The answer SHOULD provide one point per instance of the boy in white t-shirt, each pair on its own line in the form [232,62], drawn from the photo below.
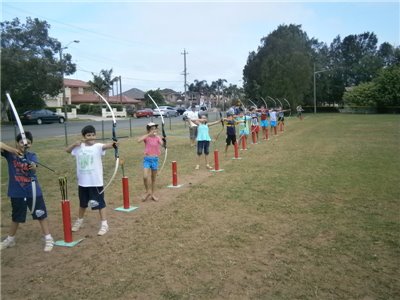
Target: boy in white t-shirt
[89,168]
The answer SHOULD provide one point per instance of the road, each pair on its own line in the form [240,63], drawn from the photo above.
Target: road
[8,132]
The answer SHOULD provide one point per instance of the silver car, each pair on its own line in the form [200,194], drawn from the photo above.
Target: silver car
[166,111]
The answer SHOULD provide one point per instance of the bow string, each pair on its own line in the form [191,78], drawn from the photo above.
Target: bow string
[115,140]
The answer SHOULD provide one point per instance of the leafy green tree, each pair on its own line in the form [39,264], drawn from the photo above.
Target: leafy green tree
[31,68]
[157,96]
[103,82]
[383,91]
[282,66]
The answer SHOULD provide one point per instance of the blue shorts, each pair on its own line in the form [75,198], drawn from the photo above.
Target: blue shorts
[203,146]
[244,132]
[20,206]
[90,196]
[264,123]
[150,162]
[273,123]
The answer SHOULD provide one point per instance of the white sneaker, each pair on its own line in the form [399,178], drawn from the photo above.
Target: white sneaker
[78,224]
[7,243]
[103,229]
[48,246]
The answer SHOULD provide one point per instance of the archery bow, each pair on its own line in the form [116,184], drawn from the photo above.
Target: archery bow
[290,108]
[25,141]
[114,138]
[222,129]
[279,102]
[164,138]
[265,102]
[272,100]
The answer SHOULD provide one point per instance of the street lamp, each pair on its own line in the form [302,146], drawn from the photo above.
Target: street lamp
[315,91]
[62,76]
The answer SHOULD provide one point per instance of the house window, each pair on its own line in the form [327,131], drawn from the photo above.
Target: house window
[80,91]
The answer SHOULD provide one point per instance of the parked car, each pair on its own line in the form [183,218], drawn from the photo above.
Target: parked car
[166,111]
[144,113]
[41,116]
[180,109]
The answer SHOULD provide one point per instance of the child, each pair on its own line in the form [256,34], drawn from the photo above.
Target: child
[152,150]
[243,127]
[89,168]
[21,172]
[300,110]
[189,115]
[255,128]
[230,124]
[203,140]
[272,119]
[281,118]
[264,122]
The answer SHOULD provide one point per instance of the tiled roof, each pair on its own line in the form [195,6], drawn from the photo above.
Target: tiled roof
[75,83]
[93,98]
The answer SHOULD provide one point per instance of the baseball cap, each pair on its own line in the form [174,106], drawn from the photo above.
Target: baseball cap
[151,124]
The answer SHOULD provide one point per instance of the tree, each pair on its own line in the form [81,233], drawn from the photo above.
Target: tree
[381,92]
[281,67]
[218,86]
[103,82]
[31,68]
[157,97]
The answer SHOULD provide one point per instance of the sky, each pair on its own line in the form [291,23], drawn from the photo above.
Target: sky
[144,41]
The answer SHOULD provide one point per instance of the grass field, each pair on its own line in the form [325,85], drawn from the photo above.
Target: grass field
[310,214]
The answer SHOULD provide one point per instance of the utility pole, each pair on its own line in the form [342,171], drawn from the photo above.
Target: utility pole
[120,88]
[184,73]
[315,88]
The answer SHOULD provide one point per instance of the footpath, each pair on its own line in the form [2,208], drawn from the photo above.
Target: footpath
[95,118]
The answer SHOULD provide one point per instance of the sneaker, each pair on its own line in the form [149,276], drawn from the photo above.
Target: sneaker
[48,246]
[209,167]
[78,224]
[197,167]
[7,243]
[103,230]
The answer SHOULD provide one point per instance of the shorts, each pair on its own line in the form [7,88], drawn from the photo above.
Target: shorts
[264,123]
[281,119]
[90,196]
[150,162]
[230,139]
[193,132]
[20,206]
[255,128]
[203,146]
[273,123]
[244,132]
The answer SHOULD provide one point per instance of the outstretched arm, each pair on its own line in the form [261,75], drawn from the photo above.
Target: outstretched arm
[5,147]
[71,147]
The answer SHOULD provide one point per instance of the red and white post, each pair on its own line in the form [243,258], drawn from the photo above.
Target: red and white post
[174,176]
[66,217]
[216,162]
[125,196]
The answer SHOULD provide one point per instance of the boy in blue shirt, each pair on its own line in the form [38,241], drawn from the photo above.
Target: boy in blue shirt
[21,173]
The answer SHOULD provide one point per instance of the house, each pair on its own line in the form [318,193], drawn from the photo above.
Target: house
[79,92]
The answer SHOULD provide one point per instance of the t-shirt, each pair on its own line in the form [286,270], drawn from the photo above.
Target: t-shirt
[89,165]
[152,145]
[203,133]
[19,177]
[264,114]
[254,119]
[243,122]
[192,115]
[230,127]
[272,115]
